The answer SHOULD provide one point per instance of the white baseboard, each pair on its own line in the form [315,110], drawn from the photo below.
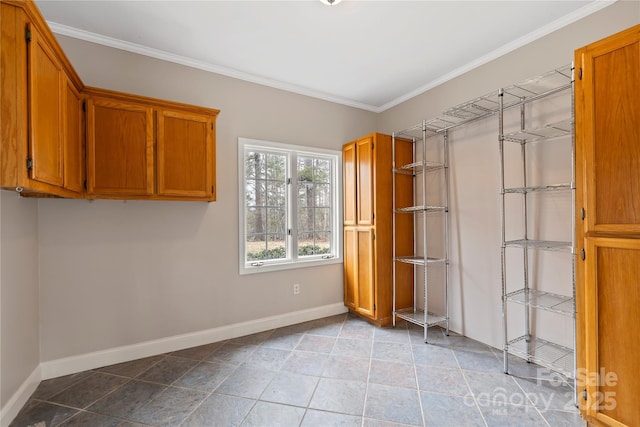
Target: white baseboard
[83,362]
[20,397]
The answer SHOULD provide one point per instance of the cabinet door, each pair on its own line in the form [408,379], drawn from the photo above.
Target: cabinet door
[72,138]
[349,180]
[365,183]
[608,129]
[351,267]
[359,278]
[119,148]
[612,312]
[45,82]
[365,271]
[185,154]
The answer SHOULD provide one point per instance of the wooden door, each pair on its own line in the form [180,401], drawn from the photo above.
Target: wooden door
[365,181]
[612,295]
[607,186]
[119,148]
[45,83]
[185,154]
[72,136]
[349,182]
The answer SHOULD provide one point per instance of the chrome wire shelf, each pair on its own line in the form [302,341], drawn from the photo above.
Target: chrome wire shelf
[544,353]
[418,260]
[421,208]
[547,245]
[419,167]
[543,300]
[417,317]
[552,130]
[551,187]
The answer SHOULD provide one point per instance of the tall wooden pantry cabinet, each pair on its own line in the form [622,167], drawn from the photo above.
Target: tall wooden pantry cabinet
[608,228]
[368,225]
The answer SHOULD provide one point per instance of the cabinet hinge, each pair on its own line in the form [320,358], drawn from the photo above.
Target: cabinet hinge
[373,236]
[29,163]
[84,106]
[27,34]
[85,184]
[213,189]
[584,394]
[583,254]
[372,144]
[373,216]
[580,73]
[374,307]
[582,214]
[211,126]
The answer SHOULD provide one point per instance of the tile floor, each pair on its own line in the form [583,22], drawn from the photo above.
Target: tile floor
[336,371]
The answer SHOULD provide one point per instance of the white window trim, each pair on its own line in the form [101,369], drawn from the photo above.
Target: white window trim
[246,268]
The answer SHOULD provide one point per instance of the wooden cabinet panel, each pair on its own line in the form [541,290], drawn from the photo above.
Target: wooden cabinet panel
[119,148]
[350,267]
[612,294]
[611,133]
[185,154]
[607,97]
[45,111]
[359,277]
[366,276]
[349,182]
[365,181]
[73,138]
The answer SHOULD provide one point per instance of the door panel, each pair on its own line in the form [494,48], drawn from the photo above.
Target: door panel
[612,135]
[349,183]
[73,152]
[45,114]
[613,327]
[119,148]
[365,187]
[185,154]
[350,267]
[366,278]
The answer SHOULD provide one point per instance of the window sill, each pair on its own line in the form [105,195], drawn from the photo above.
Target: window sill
[288,265]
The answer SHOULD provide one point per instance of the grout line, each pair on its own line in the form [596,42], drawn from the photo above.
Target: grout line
[473,396]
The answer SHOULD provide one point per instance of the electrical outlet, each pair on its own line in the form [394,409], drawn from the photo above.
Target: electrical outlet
[296,288]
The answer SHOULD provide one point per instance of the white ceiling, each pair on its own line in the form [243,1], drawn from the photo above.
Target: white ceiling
[367,54]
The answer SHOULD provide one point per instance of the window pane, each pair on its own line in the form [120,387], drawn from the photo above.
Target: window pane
[276,247]
[255,164]
[255,192]
[323,195]
[276,193]
[306,194]
[255,247]
[305,169]
[256,220]
[322,170]
[276,221]
[276,168]
[323,242]
[305,219]
[322,219]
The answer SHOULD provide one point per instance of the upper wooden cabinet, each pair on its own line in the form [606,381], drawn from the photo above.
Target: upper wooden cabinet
[136,147]
[143,148]
[607,94]
[40,116]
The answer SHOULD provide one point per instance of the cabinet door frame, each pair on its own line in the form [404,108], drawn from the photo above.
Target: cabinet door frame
[593,376]
[149,168]
[208,192]
[365,179]
[349,160]
[586,122]
[40,138]
[73,144]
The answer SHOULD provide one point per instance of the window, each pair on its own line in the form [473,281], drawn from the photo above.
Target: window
[289,206]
